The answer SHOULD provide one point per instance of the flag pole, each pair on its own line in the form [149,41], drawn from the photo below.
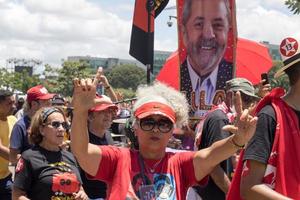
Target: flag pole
[149,66]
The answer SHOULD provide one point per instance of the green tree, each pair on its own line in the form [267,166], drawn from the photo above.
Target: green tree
[23,81]
[18,81]
[5,78]
[126,76]
[281,81]
[63,83]
[293,5]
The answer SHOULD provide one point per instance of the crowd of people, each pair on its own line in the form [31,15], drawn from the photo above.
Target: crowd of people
[246,147]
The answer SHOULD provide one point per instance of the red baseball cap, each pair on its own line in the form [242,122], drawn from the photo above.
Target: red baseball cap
[38,92]
[103,106]
[155,108]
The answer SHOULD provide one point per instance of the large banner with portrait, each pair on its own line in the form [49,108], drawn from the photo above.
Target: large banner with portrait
[207,42]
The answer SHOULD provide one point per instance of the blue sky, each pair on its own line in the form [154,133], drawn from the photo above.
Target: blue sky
[52,30]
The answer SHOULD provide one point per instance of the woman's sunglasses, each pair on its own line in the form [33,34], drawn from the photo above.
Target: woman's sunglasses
[164,125]
[57,124]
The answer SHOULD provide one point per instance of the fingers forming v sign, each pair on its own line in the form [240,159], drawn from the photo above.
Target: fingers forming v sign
[245,123]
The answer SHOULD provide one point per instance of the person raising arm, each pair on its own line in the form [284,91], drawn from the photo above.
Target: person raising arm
[157,111]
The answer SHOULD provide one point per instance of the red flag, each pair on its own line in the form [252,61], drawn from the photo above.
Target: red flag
[142,35]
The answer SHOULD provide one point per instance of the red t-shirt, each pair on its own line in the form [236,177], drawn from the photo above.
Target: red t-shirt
[121,170]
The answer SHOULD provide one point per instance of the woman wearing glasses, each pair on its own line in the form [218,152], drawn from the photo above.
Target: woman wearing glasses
[150,172]
[46,171]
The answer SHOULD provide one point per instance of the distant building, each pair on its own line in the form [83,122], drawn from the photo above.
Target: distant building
[31,66]
[95,62]
[160,58]
[273,50]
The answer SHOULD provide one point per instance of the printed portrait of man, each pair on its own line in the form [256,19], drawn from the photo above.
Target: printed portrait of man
[205,26]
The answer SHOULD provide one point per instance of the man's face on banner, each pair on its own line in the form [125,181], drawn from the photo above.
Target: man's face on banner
[205,34]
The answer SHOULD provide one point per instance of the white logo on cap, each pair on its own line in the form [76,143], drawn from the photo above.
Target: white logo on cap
[288,47]
[44,90]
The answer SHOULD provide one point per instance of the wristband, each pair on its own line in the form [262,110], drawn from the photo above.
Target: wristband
[236,144]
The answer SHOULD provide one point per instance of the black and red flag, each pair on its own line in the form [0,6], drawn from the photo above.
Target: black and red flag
[142,35]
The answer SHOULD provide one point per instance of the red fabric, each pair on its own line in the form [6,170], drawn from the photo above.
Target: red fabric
[120,169]
[142,34]
[282,172]
[252,59]
[169,74]
[234,190]
[103,106]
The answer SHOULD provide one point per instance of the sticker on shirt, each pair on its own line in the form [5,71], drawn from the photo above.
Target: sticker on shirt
[20,165]
[64,184]
[164,186]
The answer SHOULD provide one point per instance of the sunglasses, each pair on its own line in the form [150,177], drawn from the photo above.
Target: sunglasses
[164,125]
[57,124]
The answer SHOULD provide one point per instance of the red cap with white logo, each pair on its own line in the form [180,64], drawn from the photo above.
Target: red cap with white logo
[38,92]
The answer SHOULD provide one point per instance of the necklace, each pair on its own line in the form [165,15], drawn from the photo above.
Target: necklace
[153,168]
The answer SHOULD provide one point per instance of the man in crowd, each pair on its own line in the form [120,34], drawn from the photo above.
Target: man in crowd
[7,101]
[212,131]
[270,166]
[37,97]
[99,120]
[19,107]
[205,26]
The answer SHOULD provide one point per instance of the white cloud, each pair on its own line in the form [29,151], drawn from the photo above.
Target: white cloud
[51,30]
[267,20]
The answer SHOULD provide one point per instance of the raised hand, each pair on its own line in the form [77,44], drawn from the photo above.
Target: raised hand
[245,125]
[85,92]
[102,79]
[263,89]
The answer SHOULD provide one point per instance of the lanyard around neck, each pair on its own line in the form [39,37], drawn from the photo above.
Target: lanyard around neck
[142,166]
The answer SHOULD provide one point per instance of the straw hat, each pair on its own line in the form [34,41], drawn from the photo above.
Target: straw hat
[290,54]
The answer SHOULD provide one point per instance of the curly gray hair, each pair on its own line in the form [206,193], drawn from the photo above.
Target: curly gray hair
[167,95]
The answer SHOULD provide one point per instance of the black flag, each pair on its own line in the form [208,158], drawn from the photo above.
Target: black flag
[142,35]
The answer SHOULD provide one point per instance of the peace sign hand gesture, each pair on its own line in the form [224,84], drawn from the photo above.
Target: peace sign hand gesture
[85,92]
[245,125]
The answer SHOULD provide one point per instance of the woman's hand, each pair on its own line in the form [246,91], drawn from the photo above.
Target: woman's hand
[85,92]
[245,125]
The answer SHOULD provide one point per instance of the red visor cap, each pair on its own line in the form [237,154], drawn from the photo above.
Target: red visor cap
[155,108]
